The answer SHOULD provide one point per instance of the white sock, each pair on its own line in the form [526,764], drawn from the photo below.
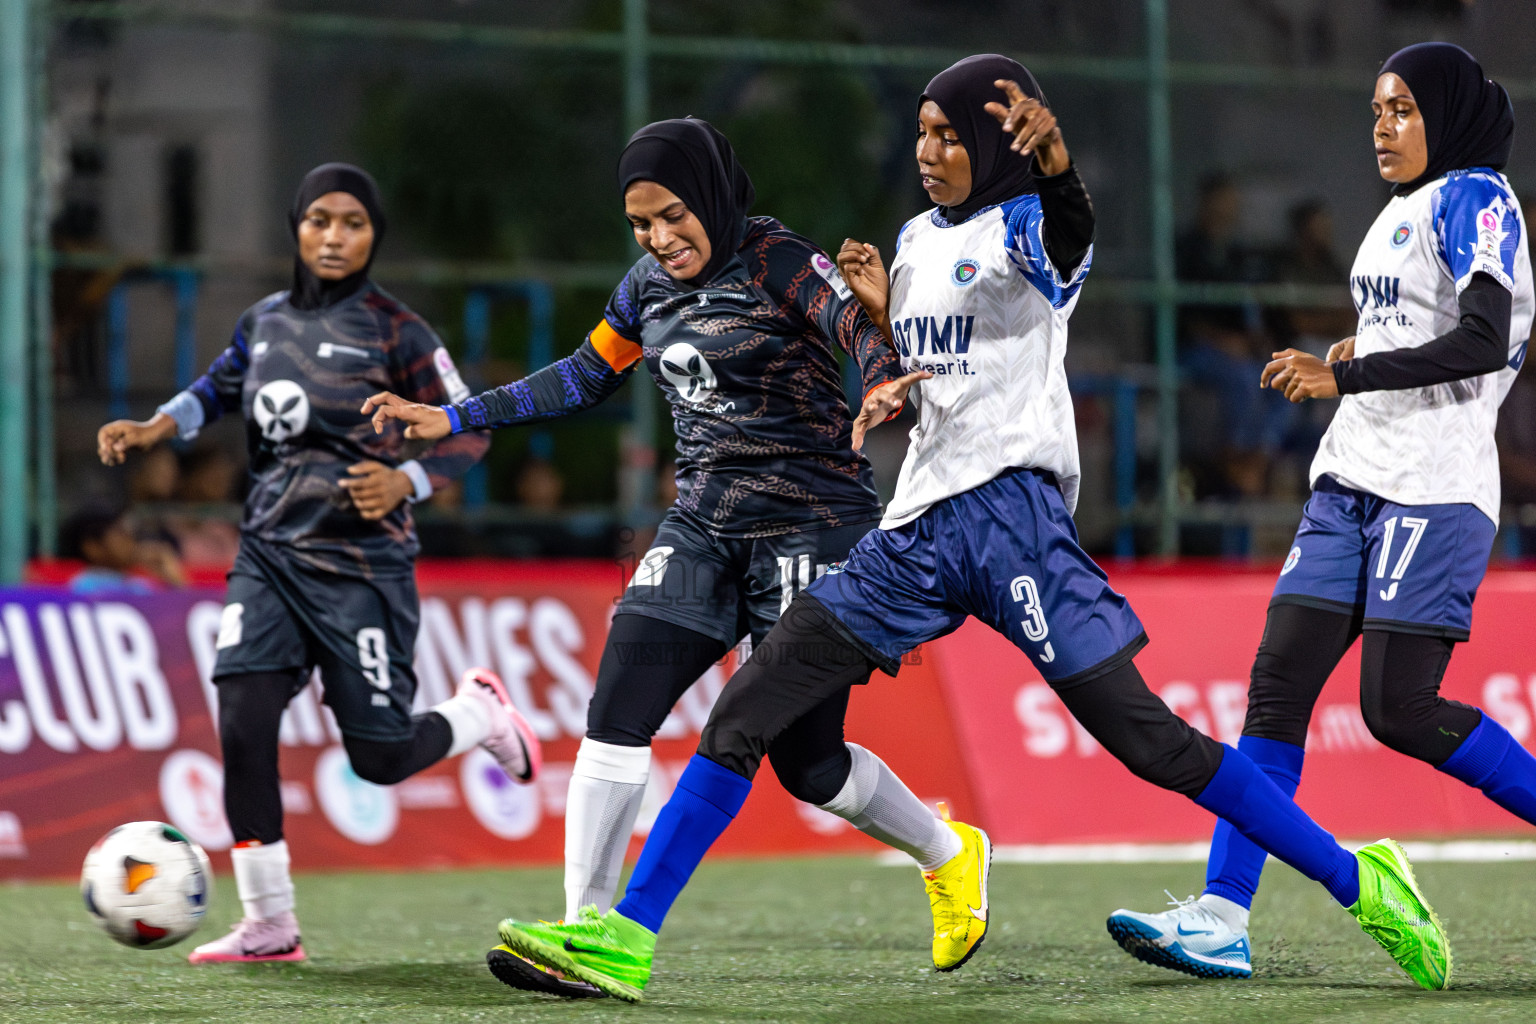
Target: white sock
[469,720]
[601,806]
[881,806]
[1234,914]
[261,878]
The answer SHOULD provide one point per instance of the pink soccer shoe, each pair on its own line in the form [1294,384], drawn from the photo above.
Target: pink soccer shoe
[253,941]
[511,742]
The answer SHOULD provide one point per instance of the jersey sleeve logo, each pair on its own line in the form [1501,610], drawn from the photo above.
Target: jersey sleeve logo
[281,410]
[452,382]
[689,372]
[1401,235]
[829,274]
[965,272]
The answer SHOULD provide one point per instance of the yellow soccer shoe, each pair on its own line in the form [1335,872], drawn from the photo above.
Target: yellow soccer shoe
[957,894]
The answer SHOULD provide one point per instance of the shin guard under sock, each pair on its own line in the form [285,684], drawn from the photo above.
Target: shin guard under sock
[1236,862]
[1250,800]
[705,801]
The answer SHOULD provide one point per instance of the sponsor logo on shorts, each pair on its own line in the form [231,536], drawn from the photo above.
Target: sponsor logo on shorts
[1291,560]
[192,793]
[231,626]
[1401,235]
[964,272]
[506,809]
[652,568]
[364,813]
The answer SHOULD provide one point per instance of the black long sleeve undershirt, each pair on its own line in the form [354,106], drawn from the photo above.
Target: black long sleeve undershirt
[1068,214]
[1479,344]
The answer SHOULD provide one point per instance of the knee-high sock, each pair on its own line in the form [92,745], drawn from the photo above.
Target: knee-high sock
[1495,762]
[601,806]
[1236,861]
[1250,800]
[261,878]
[876,802]
[705,801]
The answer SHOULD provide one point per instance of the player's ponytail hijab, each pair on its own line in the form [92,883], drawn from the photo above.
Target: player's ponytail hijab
[307,290]
[962,90]
[1468,119]
[691,159]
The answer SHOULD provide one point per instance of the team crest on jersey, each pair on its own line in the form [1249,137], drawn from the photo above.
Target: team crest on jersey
[688,371]
[1401,235]
[965,272]
[281,410]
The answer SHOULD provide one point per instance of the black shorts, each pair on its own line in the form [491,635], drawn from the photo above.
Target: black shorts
[282,614]
[730,587]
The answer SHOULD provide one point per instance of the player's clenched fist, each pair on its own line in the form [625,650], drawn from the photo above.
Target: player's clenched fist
[422,422]
[115,440]
[864,272]
[1300,375]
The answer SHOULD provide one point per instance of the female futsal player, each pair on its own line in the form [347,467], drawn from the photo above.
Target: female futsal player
[1405,486]
[325,574]
[737,319]
[981,525]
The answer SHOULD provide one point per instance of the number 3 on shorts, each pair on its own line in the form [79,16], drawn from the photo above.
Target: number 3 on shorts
[1024,589]
[373,656]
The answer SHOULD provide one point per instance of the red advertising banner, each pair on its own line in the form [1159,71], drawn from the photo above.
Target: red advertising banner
[1039,777]
[106,716]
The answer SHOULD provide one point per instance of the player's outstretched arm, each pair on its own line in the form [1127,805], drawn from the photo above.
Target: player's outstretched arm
[422,422]
[115,440]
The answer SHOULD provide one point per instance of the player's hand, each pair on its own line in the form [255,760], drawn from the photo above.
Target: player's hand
[1032,126]
[115,440]
[864,270]
[376,489]
[422,422]
[1342,350]
[882,403]
[1300,375]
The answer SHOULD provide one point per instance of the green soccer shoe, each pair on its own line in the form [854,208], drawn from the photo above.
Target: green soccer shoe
[606,950]
[1393,911]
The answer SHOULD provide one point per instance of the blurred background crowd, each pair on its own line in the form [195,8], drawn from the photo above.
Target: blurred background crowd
[174,134]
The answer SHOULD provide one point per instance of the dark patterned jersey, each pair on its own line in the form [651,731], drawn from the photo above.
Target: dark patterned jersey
[748,364]
[300,377]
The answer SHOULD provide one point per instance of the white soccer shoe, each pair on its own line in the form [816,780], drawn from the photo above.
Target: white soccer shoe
[1191,938]
[512,741]
[254,940]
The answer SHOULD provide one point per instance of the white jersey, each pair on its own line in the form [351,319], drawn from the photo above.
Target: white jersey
[981,307]
[1431,445]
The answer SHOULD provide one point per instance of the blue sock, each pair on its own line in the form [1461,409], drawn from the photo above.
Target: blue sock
[1236,861]
[1494,761]
[1250,800]
[705,801]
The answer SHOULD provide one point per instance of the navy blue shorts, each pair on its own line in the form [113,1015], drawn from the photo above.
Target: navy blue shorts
[1405,568]
[1005,552]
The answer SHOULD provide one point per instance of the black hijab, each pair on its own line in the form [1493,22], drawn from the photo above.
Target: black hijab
[691,159]
[962,90]
[309,291]
[1468,120]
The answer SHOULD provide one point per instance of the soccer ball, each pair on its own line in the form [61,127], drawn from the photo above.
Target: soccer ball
[146,884]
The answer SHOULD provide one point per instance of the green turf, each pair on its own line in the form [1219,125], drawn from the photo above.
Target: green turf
[837,940]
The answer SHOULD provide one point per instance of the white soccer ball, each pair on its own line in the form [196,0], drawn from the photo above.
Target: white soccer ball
[146,884]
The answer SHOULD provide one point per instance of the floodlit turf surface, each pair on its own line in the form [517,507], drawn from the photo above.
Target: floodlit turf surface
[837,940]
